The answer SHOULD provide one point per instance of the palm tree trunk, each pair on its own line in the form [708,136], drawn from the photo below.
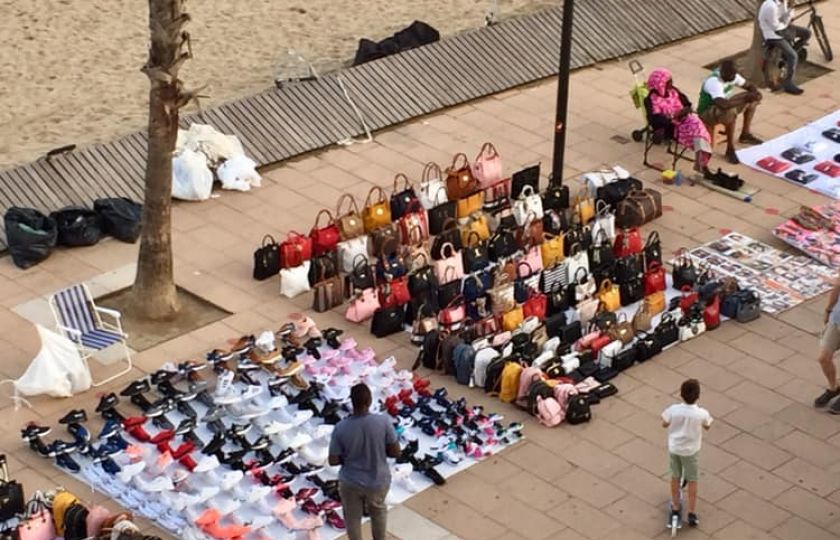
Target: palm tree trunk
[154,293]
[752,70]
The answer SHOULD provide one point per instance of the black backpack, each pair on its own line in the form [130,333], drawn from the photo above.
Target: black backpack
[75,522]
[578,410]
[493,375]
[427,356]
[538,388]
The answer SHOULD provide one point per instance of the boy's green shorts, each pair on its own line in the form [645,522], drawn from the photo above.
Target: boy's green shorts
[684,467]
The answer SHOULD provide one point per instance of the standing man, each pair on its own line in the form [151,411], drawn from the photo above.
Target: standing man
[719,105]
[774,20]
[360,444]
[829,343]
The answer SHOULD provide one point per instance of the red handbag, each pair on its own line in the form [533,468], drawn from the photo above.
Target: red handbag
[599,343]
[295,250]
[535,306]
[324,239]
[453,313]
[628,242]
[711,313]
[689,297]
[394,293]
[654,279]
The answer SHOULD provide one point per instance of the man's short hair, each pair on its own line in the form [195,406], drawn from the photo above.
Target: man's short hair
[728,64]
[690,391]
[360,396]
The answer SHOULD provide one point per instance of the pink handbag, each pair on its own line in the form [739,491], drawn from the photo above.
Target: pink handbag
[454,313]
[95,518]
[533,258]
[363,306]
[451,266]
[487,167]
[37,526]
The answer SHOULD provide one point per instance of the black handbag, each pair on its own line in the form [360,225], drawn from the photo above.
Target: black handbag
[555,221]
[361,277]
[631,291]
[554,324]
[625,358]
[667,332]
[387,321]
[570,333]
[404,200]
[323,267]
[614,192]
[749,308]
[12,501]
[555,197]
[652,250]
[78,226]
[577,234]
[440,214]
[501,245]
[529,176]
[448,235]
[684,273]
[448,292]
[422,280]
[601,253]
[267,259]
[475,255]
[628,268]
[647,346]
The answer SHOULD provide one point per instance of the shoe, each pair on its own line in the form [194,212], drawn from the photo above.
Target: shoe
[76,416]
[792,89]
[154,485]
[826,397]
[293,439]
[227,505]
[314,454]
[693,520]
[274,428]
[295,418]
[334,520]
[247,411]
[835,408]
[130,471]
[749,138]
[331,335]
[732,157]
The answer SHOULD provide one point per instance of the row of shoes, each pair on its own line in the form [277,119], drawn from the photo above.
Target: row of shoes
[251,452]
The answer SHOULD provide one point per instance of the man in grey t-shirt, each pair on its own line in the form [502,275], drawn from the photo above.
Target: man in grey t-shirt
[360,444]
[829,344]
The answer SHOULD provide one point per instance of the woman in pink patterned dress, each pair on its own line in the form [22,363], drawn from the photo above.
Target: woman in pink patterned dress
[670,110]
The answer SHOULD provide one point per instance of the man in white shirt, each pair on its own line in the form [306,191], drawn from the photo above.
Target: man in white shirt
[719,104]
[685,422]
[774,20]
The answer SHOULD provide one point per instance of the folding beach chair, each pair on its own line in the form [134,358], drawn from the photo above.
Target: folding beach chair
[79,319]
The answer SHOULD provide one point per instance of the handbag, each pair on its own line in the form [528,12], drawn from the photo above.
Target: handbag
[449,289]
[606,351]
[584,284]
[586,310]
[361,277]
[449,235]
[501,245]
[324,239]
[475,224]
[349,222]
[687,299]
[441,213]
[475,254]
[609,295]
[376,213]
[604,221]
[616,191]
[653,250]
[628,242]
[430,185]
[454,313]
[711,313]
[601,251]
[627,268]
[451,260]
[528,204]
[584,206]
[502,295]
[391,264]
[424,323]
[690,329]
[643,319]
[294,281]
[654,278]
[667,332]
[749,308]
[328,293]
[387,321]
[497,196]
[536,305]
[647,346]
[402,199]
[470,204]
[460,181]
[38,523]
[414,228]
[422,280]
[350,250]
[656,302]
[638,208]
[417,255]
[554,221]
[556,197]
[295,250]
[11,494]
[529,176]
[513,318]
[266,259]
[530,261]
[487,167]
[531,233]
[631,291]
[578,258]
[394,292]
[625,358]
[551,249]
[322,267]
[385,240]
[684,273]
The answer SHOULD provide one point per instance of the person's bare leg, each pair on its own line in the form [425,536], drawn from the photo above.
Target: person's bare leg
[826,360]
[675,493]
[730,135]
[692,497]
[749,113]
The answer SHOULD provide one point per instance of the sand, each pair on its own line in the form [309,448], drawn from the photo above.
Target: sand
[69,69]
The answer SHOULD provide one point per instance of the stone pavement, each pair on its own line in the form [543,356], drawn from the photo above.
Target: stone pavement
[770,464]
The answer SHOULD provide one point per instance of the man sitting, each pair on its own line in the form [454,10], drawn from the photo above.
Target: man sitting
[719,105]
[774,20]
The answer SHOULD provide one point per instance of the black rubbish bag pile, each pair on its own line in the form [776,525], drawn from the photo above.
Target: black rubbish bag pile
[30,235]
[416,34]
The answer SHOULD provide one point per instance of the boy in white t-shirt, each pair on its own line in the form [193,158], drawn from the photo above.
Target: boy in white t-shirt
[685,422]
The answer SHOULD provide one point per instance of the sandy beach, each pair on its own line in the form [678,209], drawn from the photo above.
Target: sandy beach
[70,70]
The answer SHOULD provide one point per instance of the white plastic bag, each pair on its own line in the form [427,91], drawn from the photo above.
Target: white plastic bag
[239,173]
[192,180]
[57,370]
[215,146]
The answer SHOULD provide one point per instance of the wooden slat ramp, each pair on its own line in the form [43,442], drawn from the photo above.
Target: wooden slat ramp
[281,123]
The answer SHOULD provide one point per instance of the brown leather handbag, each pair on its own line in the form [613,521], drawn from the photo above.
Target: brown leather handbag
[639,207]
[460,181]
[349,221]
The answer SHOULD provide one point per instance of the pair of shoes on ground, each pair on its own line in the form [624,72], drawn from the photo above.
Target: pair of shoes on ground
[826,397]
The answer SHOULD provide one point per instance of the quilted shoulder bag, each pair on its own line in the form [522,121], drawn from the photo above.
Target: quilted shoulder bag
[529,203]
[460,181]
[377,211]
[584,206]
[324,238]
[684,273]
[551,249]
[295,250]
[487,167]
[267,259]
[653,249]
[431,184]
[402,198]
[604,221]
[654,279]
[609,295]
[348,220]
[452,261]
[628,242]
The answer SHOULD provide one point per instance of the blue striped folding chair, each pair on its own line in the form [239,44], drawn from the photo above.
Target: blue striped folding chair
[80,320]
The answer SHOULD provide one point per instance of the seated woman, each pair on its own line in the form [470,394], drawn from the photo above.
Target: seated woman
[669,109]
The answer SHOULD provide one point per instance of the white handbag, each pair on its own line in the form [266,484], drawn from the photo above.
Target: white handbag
[295,280]
[577,259]
[348,250]
[691,330]
[608,353]
[604,221]
[430,186]
[529,202]
[570,362]
[594,180]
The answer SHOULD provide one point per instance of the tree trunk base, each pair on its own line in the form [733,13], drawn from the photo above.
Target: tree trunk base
[154,305]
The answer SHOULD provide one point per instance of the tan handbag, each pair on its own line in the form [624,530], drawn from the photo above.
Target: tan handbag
[460,181]
[622,330]
[609,296]
[531,233]
[329,292]
[584,205]
[377,213]
[502,295]
[655,303]
[513,318]
[349,221]
[642,320]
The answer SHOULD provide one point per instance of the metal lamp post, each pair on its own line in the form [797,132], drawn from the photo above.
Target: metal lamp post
[562,93]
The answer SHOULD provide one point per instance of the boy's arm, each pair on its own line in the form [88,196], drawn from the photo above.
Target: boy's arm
[666,417]
[708,423]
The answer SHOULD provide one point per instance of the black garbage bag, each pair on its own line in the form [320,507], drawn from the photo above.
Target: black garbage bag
[77,226]
[120,217]
[416,34]
[30,235]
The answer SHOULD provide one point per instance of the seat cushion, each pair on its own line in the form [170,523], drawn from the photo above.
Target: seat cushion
[99,339]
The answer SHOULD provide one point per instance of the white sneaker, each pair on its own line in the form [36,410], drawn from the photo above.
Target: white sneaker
[229,479]
[294,439]
[247,411]
[206,463]
[336,393]
[224,393]
[154,485]
[226,505]
[130,471]
[401,472]
[295,418]
[322,431]
[252,494]
[273,402]
[314,454]
[201,496]
[260,522]
[274,428]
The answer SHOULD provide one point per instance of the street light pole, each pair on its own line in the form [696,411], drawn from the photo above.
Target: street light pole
[562,93]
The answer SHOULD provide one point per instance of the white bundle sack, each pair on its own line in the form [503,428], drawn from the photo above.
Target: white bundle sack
[192,180]
[239,173]
[57,370]
[215,146]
